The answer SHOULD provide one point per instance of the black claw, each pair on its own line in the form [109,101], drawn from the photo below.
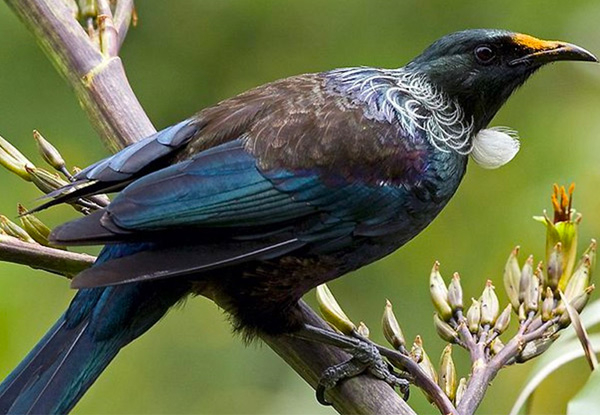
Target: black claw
[404,390]
[365,358]
[321,395]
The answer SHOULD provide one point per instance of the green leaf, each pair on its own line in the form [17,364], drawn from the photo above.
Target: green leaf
[564,350]
[587,400]
[558,355]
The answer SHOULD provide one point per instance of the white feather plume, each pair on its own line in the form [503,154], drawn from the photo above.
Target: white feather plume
[494,147]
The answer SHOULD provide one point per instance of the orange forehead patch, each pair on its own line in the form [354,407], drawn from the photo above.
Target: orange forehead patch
[534,43]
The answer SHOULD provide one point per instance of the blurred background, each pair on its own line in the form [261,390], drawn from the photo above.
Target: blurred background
[186,55]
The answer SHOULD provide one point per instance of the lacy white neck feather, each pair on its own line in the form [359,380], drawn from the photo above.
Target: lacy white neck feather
[415,102]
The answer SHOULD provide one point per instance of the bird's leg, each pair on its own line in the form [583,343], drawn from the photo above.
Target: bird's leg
[365,358]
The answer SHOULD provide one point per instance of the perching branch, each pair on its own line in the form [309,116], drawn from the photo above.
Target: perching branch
[98,78]
[37,256]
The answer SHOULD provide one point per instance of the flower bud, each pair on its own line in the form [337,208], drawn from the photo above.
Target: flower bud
[87,9]
[512,278]
[535,348]
[13,152]
[425,362]
[590,252]
[48,152]
[581,300]
[548,305]
[525,279]
[490,307]
[578,304]
[503,320]
[444,330]
[44,180]
[496,346]
[391,329]
[562,228]
[447,378]
[539,272]
[521,313]
[13,160]
[439,293]
[568,236]
[12,229]
[460,391]
[363,330]
[579,280]
[33,226]
[554,266]
[474,316]
[416,351]
[532,295]
[332,312]
[455,293]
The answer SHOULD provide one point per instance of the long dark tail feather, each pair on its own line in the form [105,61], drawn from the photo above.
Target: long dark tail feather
[71,356]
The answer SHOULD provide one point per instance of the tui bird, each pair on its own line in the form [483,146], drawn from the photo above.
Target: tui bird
[270,193]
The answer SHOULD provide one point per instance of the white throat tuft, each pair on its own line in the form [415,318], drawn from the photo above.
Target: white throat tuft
[494,147]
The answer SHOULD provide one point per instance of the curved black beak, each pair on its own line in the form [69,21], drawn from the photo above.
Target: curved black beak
[553,52]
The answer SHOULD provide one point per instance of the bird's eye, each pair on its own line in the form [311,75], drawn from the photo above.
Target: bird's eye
[484,54]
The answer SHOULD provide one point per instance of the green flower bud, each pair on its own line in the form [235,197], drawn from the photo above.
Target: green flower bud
[87,9]
[391,329]
[425,362]
[363,330]
[13,152]
[580,279]
[555,266]
[13,160]
[416,351]
[521,313]
[490,307]
[460,391]
[562,228]
[439,293]
[447,378]
[525,281]
[532,296]
[48,152]
[496,346]
[535,348]
[591,254]
[33,226]
[474,316]
[44,180]
[548,305]
[578,304]
[455,293]
[503,320]
[12,229]
[512,278]
[445,330]
[332,312]
[539,272]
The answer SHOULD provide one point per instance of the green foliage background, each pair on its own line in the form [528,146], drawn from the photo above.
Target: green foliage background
[186,55]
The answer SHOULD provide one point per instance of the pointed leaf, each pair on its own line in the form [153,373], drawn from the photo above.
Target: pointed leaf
[558,355]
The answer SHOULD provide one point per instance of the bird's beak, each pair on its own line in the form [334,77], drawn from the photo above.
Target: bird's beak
[546,51]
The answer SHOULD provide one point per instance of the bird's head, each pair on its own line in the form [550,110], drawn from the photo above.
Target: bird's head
[480,68]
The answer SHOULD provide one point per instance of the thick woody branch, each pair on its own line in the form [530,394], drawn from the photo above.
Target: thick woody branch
[99,81]
[101,85]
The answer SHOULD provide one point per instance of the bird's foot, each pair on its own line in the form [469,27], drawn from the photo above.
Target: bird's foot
[365,358]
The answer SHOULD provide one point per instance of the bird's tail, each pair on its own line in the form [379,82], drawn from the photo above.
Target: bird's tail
[71,356]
